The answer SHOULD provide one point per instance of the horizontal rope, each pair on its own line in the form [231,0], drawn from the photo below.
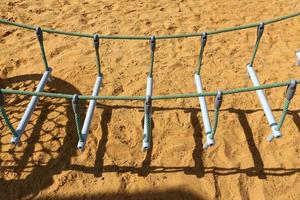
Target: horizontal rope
[223,30]
[160,97]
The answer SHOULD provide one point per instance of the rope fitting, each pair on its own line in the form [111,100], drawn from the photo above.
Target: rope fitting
[152,43]
[1,99]
[96,41]
[291,90]
[39,34]
[75,103]
[203,39]
[260,29]
[148,104]
[218,101]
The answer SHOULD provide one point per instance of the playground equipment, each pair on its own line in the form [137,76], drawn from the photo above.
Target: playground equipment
[149,98]
[298,58]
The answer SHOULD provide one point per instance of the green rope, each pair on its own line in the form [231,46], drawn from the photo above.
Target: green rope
[96,46]
[216,117]
[150,71]
[98,63]
[254,51]
[152,50]
[44,56]
[78,129]
[200,58]
[284,112]
[223,30]
[149,129]
[161,97]
[7,122]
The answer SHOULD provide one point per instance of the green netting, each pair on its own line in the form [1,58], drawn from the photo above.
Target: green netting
[7,121]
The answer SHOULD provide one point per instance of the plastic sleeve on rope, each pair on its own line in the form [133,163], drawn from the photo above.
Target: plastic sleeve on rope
[148,104]
[218,101]
[39,34]
[291,90]
[152,43]
[203,39]
[96,41]
[75,103]
[260,29]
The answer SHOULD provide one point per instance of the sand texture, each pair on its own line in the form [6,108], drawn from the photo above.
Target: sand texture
[241,165]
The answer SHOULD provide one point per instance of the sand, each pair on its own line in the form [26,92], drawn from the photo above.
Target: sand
[241,165]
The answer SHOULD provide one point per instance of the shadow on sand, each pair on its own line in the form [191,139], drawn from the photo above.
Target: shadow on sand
[41,176]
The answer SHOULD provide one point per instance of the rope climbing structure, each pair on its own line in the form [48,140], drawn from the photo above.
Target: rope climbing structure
[210,130]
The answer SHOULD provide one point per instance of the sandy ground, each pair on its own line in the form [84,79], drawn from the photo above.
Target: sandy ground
[242,164]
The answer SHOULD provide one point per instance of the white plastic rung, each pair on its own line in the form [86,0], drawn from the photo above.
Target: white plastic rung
[89,114]
[264,102]
[30,108]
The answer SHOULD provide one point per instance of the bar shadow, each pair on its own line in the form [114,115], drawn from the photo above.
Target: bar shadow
[199,170]
[257,159]
[105,119]
[33,177]
[168,194]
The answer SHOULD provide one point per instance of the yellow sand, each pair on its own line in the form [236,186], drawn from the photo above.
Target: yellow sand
[242,164]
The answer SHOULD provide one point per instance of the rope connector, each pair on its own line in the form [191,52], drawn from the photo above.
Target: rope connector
[152,43]
[203,39]
[96,41]
[218,101]
[291,89]
[1,99]
[39,33]
[260,29]
[75,103]
[148,104]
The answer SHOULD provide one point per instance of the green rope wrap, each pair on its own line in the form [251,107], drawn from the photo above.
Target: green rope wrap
[260,30]
[39,34]
[152,50]
[75,107]
[96,45]
[284,112]
[223,30]
[200,58]
[78,129]
[218,103]
[7,122]
[149,127]
[216,118]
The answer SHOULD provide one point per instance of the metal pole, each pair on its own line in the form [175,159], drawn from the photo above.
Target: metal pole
[148,110]
[89,114]
[29,110]
[264,102]
[204,111]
